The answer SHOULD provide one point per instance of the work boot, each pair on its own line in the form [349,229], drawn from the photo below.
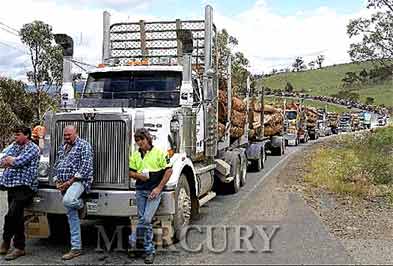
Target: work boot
[5,246]
[16,253]
[149,259]
[72,254]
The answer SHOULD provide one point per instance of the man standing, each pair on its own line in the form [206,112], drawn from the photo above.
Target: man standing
[149,167]
[19,179]
[73,176]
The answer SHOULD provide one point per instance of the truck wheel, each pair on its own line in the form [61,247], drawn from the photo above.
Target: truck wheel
[182,215]
[243,177]
[258,165]
[237,172]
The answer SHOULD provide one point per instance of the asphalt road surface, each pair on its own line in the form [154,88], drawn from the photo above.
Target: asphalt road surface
[300,237]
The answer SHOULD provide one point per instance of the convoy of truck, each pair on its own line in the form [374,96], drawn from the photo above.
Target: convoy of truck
[163,76]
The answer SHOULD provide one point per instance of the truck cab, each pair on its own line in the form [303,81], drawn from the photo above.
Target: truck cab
[291,127]
[345,123]
[140,83]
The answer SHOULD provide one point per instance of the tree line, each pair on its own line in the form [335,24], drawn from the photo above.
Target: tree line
[21,104]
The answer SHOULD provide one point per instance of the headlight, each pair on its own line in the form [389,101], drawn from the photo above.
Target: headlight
[174,126]
[43,169]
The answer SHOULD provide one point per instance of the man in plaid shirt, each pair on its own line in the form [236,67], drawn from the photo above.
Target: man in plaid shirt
[73,176]
[19,179]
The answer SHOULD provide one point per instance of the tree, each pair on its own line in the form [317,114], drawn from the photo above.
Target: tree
[369,100]
[350,79]
[47,62]
[16,108]
[289,87]
[299,64]
[375,33]
[225,46]
[240,72]
[311,64]
[319,60]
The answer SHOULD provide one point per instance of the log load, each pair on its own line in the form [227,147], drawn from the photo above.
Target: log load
[273,120]
[312,117]
[238,115]
[221,130]
[333,119]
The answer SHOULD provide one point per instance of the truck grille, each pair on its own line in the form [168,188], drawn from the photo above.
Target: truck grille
[109,142]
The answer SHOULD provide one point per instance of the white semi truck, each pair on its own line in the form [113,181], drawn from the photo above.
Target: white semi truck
[161,76]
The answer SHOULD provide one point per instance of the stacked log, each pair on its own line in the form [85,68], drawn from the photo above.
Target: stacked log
[312,117]
[333,119]
[238,115]
[273,120]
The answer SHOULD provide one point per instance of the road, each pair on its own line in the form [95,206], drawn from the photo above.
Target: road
[300,239]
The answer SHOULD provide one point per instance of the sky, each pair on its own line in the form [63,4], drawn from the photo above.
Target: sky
[271,33]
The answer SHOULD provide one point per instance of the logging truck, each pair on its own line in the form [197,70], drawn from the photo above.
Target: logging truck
[296,124]
[333,119]
[162,76]
[312,116]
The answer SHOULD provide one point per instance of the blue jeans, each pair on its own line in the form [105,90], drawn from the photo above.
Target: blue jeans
[144,229]
[72,203]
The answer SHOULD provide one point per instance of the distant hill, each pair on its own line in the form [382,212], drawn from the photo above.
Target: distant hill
[78,87]
[328,81]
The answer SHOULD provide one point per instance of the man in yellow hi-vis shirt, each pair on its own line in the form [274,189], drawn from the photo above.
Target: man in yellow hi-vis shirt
[150,168]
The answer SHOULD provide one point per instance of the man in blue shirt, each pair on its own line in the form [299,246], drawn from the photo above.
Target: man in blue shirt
[73,176]
[19,179]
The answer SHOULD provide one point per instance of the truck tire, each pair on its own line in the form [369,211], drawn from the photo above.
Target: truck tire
[243,177]
[279,151]
[237,173]
[182,215]
[258,165]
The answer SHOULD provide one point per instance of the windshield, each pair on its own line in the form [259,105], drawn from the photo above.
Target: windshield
[291,115]
[132,89]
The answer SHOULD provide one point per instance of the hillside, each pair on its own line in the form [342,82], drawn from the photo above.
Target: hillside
[327,81]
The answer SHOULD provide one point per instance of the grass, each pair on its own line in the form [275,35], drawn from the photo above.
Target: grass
[327,81]
[312,103]
[359,165]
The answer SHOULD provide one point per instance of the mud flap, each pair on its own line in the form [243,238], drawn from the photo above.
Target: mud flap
[36,225]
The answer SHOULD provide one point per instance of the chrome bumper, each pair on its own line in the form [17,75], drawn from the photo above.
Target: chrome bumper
[100,203]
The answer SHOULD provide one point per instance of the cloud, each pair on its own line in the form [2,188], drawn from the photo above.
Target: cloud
[83,24]
[119,5]
[267,39]
[270,40]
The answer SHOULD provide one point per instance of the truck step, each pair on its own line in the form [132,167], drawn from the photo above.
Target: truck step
[206,198]
[223,167]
